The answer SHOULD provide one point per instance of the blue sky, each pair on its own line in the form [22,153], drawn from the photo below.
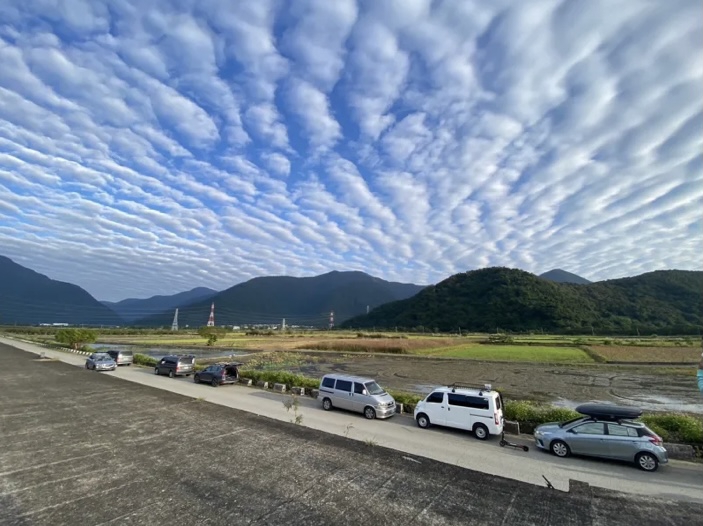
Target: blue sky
[148,147]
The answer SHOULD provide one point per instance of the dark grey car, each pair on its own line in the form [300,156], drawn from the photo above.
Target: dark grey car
[604,436]
[218,374]
[176,365]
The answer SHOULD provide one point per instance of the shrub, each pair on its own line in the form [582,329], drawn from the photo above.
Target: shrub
[536,414]
[143,359]
[281,377]
[676,427]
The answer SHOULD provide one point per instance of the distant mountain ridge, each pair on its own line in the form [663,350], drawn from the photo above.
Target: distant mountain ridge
[133,309]
[301,301]
[562,276]
[28,297]
[492,299]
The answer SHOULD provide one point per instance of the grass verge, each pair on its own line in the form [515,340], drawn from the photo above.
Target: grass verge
[511,353]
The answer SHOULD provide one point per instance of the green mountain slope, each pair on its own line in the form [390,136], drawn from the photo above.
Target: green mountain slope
[301,301]
[493,299]
[27,298]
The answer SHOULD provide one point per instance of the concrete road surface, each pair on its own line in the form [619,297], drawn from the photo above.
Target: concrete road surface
[679,480]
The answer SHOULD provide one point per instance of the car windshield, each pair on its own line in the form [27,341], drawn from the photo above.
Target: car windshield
[373,388]
[103,358]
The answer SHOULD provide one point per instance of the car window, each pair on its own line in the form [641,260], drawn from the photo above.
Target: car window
[436,398]
[328,382]
[591,428]
[344,385]
[618,430]
[358,388]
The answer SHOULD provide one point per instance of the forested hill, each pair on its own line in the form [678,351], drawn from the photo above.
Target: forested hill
[27,297]
[486,300]
[302,301]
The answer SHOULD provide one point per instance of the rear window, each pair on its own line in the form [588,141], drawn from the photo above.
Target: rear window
[473,402]
[328,382]
[186,359]
[498,406]
[126,353]
[344,385]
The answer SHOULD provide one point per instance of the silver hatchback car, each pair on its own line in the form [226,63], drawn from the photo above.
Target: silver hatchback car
[604,431]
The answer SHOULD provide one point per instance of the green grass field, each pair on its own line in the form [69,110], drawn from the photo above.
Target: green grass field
[510,353]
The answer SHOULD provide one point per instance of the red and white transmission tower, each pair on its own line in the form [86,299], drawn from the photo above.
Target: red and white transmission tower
[211,319]
[331,320]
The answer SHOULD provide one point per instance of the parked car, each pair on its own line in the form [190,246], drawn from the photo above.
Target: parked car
[479,410]
[218,374]
[354,393]
[176,365]
[605,431]
[121,357]
[100,361]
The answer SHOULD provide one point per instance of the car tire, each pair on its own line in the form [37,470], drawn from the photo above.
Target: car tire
[170,374]
[327,404]
[156,371]
[647,462]
[560,448]
[369,413]
[215,383]
[480,432]
[196,379]
[423,421]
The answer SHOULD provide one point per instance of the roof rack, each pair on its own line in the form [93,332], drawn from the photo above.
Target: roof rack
[459,385]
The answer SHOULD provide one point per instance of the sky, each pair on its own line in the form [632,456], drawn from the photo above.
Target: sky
[149,147]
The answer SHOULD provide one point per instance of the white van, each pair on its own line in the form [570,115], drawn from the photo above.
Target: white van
[463,407]
[354,393]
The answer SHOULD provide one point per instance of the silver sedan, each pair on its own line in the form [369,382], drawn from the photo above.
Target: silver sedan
[100,362]
[620,440]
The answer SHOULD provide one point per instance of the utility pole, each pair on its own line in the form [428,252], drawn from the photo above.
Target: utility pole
[283,325]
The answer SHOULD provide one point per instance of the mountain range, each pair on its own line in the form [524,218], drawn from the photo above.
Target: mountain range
[301,301]
[133,309]
[30,298]
[494,299]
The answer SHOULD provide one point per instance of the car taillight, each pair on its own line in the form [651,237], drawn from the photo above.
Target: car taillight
[223,374]
[496,419]
[656,440]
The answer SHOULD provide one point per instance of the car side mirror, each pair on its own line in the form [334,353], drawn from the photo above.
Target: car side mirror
[364,392]
[572,432]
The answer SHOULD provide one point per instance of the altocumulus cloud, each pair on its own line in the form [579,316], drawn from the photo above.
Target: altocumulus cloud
[150,147]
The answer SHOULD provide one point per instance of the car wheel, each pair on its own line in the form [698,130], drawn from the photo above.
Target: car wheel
[647,462]
[215,383]
[196,379]
[369,413]
[423,421]
[327,404]
[156,371]
[560,448]
[480,431]
[170,374]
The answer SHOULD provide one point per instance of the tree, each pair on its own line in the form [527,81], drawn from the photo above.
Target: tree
[211,334]
[76,338]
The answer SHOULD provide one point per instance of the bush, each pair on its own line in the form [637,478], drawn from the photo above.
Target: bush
[536,414]
[143,359]
[676,427]
[406,399]
[281,377]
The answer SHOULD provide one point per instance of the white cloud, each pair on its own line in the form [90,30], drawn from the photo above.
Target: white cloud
[204,143]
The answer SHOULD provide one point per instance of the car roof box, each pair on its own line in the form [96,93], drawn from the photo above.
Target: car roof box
[609,412]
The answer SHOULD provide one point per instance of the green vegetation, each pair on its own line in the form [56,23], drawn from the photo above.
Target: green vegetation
[676,428]
[511,353]
[143,359]
[76,338]
[281,377]
[212,334]
[500,299]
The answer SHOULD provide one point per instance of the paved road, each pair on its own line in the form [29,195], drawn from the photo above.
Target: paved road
[679,480]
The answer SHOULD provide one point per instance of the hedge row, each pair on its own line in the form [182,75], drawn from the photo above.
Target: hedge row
[671,427]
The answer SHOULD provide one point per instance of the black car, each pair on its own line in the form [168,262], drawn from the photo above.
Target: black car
[218,374]
[176,365]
